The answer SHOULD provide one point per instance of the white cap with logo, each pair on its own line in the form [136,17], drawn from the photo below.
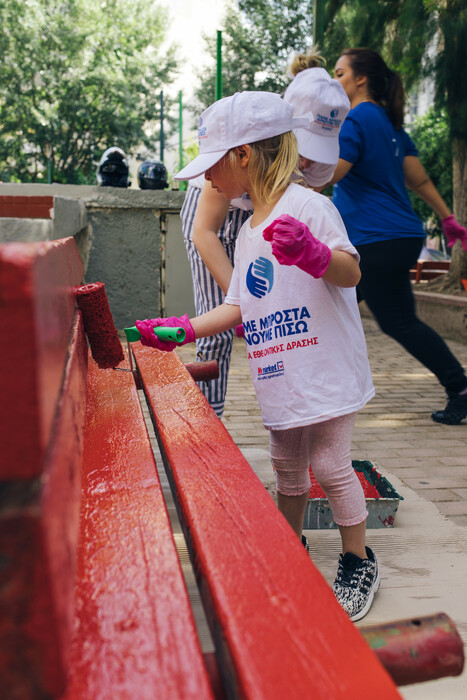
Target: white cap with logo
[314,93]
[245,117]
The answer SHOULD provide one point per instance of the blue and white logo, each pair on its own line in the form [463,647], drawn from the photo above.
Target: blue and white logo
[260,277]
[201,130]
[334,113]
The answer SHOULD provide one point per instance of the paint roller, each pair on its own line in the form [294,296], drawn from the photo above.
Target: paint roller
[104,342]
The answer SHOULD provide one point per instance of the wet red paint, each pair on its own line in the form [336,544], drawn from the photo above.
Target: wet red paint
[43,414]
[99,325]
[369,489]
[37,292]
[135,634]
[281,628]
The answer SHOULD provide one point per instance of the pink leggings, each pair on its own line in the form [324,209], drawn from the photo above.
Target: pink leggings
[326,446]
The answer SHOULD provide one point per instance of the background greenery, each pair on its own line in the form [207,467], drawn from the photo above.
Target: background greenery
[77,76]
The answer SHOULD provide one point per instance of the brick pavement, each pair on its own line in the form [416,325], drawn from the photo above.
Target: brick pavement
[394,430]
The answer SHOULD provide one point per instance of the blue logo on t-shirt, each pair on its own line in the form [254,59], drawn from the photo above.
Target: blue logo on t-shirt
[260,277]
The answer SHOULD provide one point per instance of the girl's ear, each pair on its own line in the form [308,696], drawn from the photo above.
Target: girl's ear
[243,154]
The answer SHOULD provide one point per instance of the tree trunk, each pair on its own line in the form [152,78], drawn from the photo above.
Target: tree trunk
[459,184]
[452,281]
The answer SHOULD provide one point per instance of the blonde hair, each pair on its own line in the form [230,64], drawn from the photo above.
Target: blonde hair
[272,163]
[302,61]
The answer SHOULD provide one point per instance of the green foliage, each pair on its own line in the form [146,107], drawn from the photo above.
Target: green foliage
[258,40]
[417,38]
[76,77]
[432,137]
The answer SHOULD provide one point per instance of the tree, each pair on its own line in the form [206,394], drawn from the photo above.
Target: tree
[431,134]
[258,40]
[76,77]
[417,38]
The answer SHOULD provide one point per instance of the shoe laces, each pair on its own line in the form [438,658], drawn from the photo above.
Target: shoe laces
[353,571]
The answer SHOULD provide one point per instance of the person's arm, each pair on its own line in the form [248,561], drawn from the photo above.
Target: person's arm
[292,243]
[210,215]
[418,181]
[343,269]
[219,319]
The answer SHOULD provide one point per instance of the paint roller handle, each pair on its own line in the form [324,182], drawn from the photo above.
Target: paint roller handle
[150,327]
[165,333]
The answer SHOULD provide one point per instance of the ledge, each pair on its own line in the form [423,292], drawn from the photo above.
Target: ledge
[96,197]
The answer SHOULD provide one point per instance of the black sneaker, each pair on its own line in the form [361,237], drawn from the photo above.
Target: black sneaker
[305,543]
[455,411]
[356,583]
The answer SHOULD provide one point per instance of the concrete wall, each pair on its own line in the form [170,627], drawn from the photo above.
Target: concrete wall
[126,239]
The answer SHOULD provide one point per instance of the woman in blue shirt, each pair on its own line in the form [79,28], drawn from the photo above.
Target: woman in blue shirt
[378,161]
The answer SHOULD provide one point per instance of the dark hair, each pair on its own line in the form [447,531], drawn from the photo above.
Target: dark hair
[384,85]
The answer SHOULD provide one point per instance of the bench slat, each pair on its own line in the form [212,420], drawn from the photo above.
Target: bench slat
[135,634]
[278,629]
[37,293]
[38,543]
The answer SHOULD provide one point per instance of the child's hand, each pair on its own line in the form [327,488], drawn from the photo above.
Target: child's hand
[293,244]
[149,338]
[454,232]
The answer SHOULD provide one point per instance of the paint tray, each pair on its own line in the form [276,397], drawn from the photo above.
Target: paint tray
[382,500]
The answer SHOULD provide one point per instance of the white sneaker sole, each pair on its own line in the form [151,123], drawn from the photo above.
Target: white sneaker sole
[361,613]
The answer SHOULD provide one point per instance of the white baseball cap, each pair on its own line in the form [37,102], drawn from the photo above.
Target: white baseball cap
[245,117]
[314,92]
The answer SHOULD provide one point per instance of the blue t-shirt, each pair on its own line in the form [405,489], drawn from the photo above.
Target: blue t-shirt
[372,198]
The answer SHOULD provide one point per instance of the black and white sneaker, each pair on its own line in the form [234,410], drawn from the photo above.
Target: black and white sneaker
[356,583]
[305,543]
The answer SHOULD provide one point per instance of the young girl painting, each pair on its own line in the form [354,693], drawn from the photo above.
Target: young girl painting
[293,287]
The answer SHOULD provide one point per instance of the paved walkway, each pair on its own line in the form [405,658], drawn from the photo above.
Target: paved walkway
[423,559]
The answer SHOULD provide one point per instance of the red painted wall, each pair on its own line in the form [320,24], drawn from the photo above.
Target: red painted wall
[27,207]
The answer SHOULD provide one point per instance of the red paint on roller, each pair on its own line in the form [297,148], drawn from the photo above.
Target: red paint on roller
[106,348]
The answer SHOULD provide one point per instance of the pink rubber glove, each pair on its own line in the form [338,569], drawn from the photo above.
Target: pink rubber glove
[293,244]
[454,231]
[149,338]
[240,331]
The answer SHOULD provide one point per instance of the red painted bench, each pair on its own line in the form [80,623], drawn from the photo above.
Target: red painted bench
[92,597]
[429,269]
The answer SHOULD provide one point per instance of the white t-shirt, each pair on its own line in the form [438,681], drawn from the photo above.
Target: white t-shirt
[305,341]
